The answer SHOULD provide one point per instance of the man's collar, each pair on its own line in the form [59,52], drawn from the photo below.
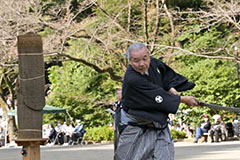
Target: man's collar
[145,73]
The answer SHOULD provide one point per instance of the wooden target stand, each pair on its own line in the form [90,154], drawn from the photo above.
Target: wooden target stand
[31,148]
[30,95]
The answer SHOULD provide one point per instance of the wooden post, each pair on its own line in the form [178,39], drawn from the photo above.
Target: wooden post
[32,147]
[30,96]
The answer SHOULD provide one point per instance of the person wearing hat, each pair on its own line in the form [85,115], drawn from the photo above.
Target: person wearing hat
[218,129]
[203,128]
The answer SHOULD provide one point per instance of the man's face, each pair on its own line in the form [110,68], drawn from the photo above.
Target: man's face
[206,119]
[119,95]
[140,60]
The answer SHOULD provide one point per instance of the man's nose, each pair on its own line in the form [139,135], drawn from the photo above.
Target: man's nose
[141,63]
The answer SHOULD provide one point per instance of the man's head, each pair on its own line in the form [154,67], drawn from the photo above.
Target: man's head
[78,121]
[119,94]
[217,118]
[206,118]
[139,57]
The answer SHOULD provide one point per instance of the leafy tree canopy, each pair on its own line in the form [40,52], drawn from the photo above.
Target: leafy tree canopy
[215,83]
[83,92]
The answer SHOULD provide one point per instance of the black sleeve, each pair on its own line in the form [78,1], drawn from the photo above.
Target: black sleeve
[142,94]
[173,79]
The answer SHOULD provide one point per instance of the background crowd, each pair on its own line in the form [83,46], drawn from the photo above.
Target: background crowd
[64,134]
[210,128]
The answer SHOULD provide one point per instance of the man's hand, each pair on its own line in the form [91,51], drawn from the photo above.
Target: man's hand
[189,100]
[173,91]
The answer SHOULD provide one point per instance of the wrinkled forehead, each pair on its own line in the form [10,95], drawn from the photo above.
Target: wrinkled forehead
[139,53]
[135,48]
[119,92]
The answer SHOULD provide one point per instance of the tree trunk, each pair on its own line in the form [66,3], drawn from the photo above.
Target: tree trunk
[11,120]
[11,128]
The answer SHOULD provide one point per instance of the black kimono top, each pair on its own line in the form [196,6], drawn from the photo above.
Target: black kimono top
[147,96]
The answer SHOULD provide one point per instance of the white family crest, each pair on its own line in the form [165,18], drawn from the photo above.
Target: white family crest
[158,99]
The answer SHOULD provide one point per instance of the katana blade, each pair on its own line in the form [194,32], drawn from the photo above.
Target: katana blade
[215,106]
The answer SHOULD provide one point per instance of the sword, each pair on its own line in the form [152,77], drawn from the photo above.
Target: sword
[215,106]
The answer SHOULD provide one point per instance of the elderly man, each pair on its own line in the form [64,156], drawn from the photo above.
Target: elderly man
[150,92]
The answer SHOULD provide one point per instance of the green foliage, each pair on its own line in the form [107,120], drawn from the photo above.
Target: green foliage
[8,85]
[82,92]
[215,83]
[98,134]
[201,39]
[177,134]
[100,40]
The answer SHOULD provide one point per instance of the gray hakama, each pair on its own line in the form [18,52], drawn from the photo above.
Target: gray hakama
[145,142]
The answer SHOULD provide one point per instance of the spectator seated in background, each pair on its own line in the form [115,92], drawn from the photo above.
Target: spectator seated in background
[186,128]
[67,129]
[236,124]
[203,128]
[230,129]
[60,134]
[178,127]
[52,133]
[1,131]
[218,129]
[77,133]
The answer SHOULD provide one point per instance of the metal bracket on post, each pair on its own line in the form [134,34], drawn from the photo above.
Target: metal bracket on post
[24,152]
[31,148]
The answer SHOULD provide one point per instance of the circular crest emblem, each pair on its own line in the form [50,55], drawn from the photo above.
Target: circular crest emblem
[158,99]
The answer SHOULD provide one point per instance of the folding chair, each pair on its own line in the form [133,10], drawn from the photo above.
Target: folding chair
[81,138]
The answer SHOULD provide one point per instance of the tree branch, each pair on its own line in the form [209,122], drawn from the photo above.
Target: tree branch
[172,40]
[95,67]
[129,15]
[145,2]
[157,27]
[128,34]
[186,52]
